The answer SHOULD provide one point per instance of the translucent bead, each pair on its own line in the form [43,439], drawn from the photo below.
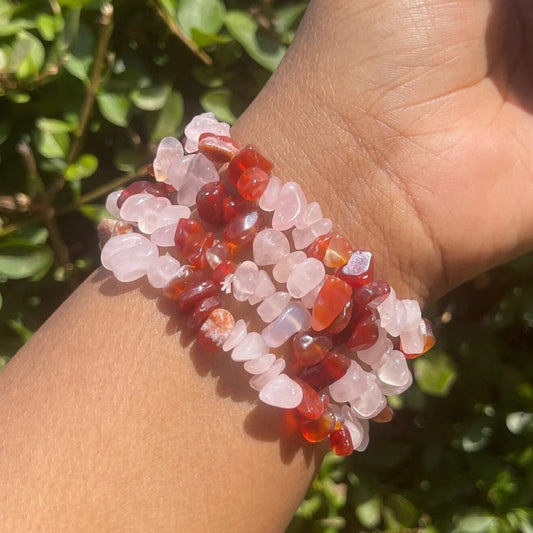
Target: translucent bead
[218,253]
[186,277]
[202,310]
[305,276]
[168,150]
[282,391]
[338,251]
[260,364]
[164,236]
[310,298]
[117,244]
[292,319]
[269,199]
[264,288]
[209,202]
[284,266]
[355,426]
[330,369]
[215,330]
[272,306]
[270,246]
[203,123]
[365,332]
[243,228]
[290,203]
[134,206]
[371,401]
[132,263]
[162,270]
[217,148]
[349,386]
[372,293]
[340,442]
[250,347]
[359,270]
[195,293]
[343,319]
[413,314]
[236,335]
[319,429]
[309,348]
[248,157]
[148,220]
[393,370]
[258,381]
[310,214]
[199,171]
[311,407]
[330,301]
[252,183]
[302,238]
[392,390]
[245,280]
[144,186]
[172,214]
[111,203]
[375,352]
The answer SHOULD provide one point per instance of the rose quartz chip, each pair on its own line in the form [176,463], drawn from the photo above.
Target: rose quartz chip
[204,123]
[117,244]
[310,214]
[148,220]
[282,392]
[164,236]
[412,341]
[284,266]
[199,171]
[244,281]
[269,199]
[375,352]
[250,347]
[305,276]
[162,270]
[290,202]
[236,335]
[258,381]
[356,432]
[260,365]
[133,263]
[172,214]
[413,314]
[371,402]
[111,203]
[270,246]
[309,299]
[304,237]
[169,149]
[391,390]
[394,371]
[349,386]
[292,319]
[264,288]
[133,207]
[272,306]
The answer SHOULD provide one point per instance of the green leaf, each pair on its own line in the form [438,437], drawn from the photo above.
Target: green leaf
[53,125]
[51,145]
[27,55]
[47,26]
[169,118]
[369,512]
[16,26]
[169,6]
[204,15]
[80,55]
[399,512]
[18,260]
[151,98]
[84,167]
[260,47]
[435,373]
[203,40]
[287,16]
[114,107]
[18,97]
[218,102]
[476,523]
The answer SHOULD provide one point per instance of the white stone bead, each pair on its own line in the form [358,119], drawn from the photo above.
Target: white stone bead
[356,431]
[305,276]
[236,335]
[149,218]
[169,149]
[117,244]
[371,402]
[397,322]
[413,315]
[284,266]
[244,281]
[292,319]
[302,238]
[310,214]
[264,288]
[290,202]
[172,215]
[272,306]
[199,172]
[349,386]
[309,299]
[282,392]
[250,347]
[260,365]
[375,352]
[269,198]
[133,207]
[394,371]
[270,246]
[412,341]
[258,381]
[358,426]
[162,270]
[392,390]
[111,203]
[203,123]
[164,236]
[386,309]
[133,263]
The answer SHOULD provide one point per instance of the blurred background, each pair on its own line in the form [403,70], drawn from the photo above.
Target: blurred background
[87,88]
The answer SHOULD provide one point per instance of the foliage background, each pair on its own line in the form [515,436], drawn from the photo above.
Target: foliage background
[88,87]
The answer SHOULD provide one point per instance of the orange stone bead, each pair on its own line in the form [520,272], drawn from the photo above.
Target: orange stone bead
[384,416]
[216,329]
[243,228]
[187,232]
[217,148]
[340,442]
[365,333]
[338,251]
[195,293]
[202,311]
[252,183]
[248,157]
[196,251]
[309,348]
[209,202]
[429,337]
[186,277]
[318,430]
[222,271]
[311,407]
[318,247]
[342,321]
[359,269]
[329,370]
[331,300]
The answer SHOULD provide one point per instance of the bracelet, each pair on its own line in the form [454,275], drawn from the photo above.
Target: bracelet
[237,230]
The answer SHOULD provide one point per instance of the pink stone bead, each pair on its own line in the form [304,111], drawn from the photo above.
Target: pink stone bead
[349,386]
[269,199]
[310,214]
[133,207]
[371,402]
[292,319]
[412,341]
[260,365]
[244,281]
[117,244]
[199,172]
[272,306]
[218,253]
[391,390]
[148,220]
[270,246]
[264,288]
[290,203]
[394,371]
[260,380]
[302,238]
[309,299]
[169,150]
[133,263]
[282,392]
[375,352]
[172,214]
[284,266]
[162,270]
[236,335]
[305,276]
[111,203]
[164,236]
[413,314]
[204,123]
[355,426]
[250,347]
[177,172]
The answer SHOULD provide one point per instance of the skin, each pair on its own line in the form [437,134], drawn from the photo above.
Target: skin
[409,120]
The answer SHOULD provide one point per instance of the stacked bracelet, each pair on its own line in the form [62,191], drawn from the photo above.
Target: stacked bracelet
[217,223]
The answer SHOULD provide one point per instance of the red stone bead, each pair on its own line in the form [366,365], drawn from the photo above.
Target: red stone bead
[365,333]
[186,277]
[209,202]
[340,442]
[196,251]
[309,348]
[359,270]
[252,183]
[150,170]
[202,311]
[243,228]
[150,187]
[377,290]
[329,370]
[222,271]
[234,205]
[311,407]
[318,247]
[248,157]
[384,416]
[195,293]
[342,321]
[221,251]
[217,148]
[188,231]
[318,430]
[331,300]
[216,329]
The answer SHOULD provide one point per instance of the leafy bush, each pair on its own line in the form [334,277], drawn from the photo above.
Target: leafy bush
[87,88]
